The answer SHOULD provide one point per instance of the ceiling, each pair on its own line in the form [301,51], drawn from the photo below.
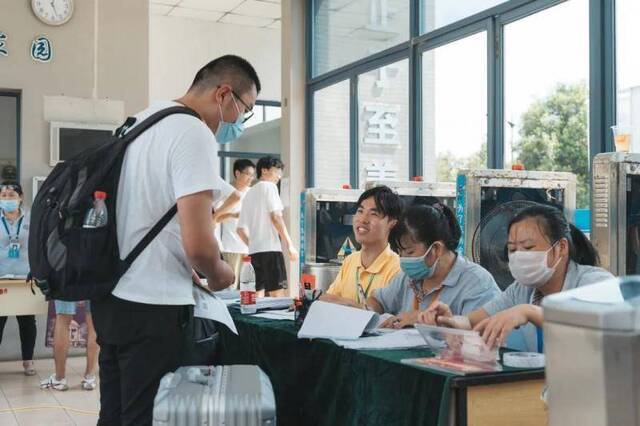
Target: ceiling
[252,13]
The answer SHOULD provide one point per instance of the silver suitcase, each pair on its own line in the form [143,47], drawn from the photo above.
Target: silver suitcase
[227,395]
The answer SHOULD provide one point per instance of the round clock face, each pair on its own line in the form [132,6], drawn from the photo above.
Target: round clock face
[53,12]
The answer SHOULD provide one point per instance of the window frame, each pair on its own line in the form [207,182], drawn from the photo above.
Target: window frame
[602,73]
[17,94]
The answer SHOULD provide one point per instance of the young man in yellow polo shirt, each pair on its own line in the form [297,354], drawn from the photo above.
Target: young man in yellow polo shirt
[372,267]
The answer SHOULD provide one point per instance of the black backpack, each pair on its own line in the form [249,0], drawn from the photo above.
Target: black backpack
[67,261]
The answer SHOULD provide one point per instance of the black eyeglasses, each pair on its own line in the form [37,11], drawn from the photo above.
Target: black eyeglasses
[249,111]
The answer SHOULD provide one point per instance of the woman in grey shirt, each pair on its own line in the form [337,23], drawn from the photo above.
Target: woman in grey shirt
[546,255]
[427,237]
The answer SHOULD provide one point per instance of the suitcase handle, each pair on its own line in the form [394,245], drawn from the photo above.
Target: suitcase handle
[201,375]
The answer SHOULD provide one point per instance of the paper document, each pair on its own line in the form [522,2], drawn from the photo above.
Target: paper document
[227,294]
[607,292]
[333,321]
[282,314]
[210,307]
[273,302]
[379,320]
[399,339]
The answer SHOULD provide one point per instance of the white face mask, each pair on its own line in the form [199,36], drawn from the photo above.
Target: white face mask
[530,269]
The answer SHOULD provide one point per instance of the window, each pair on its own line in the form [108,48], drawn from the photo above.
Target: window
[9,135]
[546,92]
[454,111]
[347,30]
[331,132]
[272,112]
[628,68]
[264,111]
[479,86]
[383,129]
[438,13]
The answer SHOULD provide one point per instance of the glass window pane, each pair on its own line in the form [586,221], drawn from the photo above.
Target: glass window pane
[258,116]
[331,150]
[347,30]
[8,137]
[454,108]
[628,67]
[272,112]
[438,13]
[546,92]
[383,111]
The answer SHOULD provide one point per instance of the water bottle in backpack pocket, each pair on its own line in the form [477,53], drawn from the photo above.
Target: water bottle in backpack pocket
[97,215]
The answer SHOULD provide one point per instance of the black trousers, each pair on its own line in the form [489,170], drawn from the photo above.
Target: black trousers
[27,327]
[139,344]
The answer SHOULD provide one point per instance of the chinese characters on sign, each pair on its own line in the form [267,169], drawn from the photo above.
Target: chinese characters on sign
[381,125]
[41,49]
[381,171]
[3,44]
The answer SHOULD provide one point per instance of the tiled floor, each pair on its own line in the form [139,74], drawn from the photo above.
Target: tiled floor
[23,403]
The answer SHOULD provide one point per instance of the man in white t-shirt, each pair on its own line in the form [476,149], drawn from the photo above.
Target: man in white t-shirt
[145,326]
[261,227]
[221,196]
[227,215]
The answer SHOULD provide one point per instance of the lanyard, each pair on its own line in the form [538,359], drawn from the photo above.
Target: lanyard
[6,227]
[361,292]
[540,339]
[434,297]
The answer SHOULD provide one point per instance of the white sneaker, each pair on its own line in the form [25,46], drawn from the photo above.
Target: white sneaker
[52,383]
[29,369]
[89,383]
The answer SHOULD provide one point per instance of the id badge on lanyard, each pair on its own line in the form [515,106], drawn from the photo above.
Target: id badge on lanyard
[14,240]
[14,247]
[362,293]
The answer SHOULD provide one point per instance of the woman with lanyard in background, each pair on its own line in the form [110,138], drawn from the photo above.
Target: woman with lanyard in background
[14,235]
[427,238]
[547,255]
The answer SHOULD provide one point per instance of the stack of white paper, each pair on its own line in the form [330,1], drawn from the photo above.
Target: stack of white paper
[332,321]
[282,314]
[399,339]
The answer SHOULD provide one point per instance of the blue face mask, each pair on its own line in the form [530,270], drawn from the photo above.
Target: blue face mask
[415,267]
[9,205]
[228,132]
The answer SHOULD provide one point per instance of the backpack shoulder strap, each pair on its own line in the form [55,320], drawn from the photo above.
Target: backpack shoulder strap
[159,226]
[120,131]
[154,118]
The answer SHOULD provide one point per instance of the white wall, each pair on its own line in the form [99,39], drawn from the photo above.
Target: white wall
[179,47]
[122,74]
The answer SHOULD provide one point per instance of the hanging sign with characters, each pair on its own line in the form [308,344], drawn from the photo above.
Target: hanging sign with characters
[381,124]
[3,44]
[41,49]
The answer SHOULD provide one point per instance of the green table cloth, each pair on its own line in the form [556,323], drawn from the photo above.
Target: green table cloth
[317,382]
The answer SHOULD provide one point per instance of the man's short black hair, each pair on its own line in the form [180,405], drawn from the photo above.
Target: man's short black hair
[387,201]
[267,163]
[228,69]
[241,165]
